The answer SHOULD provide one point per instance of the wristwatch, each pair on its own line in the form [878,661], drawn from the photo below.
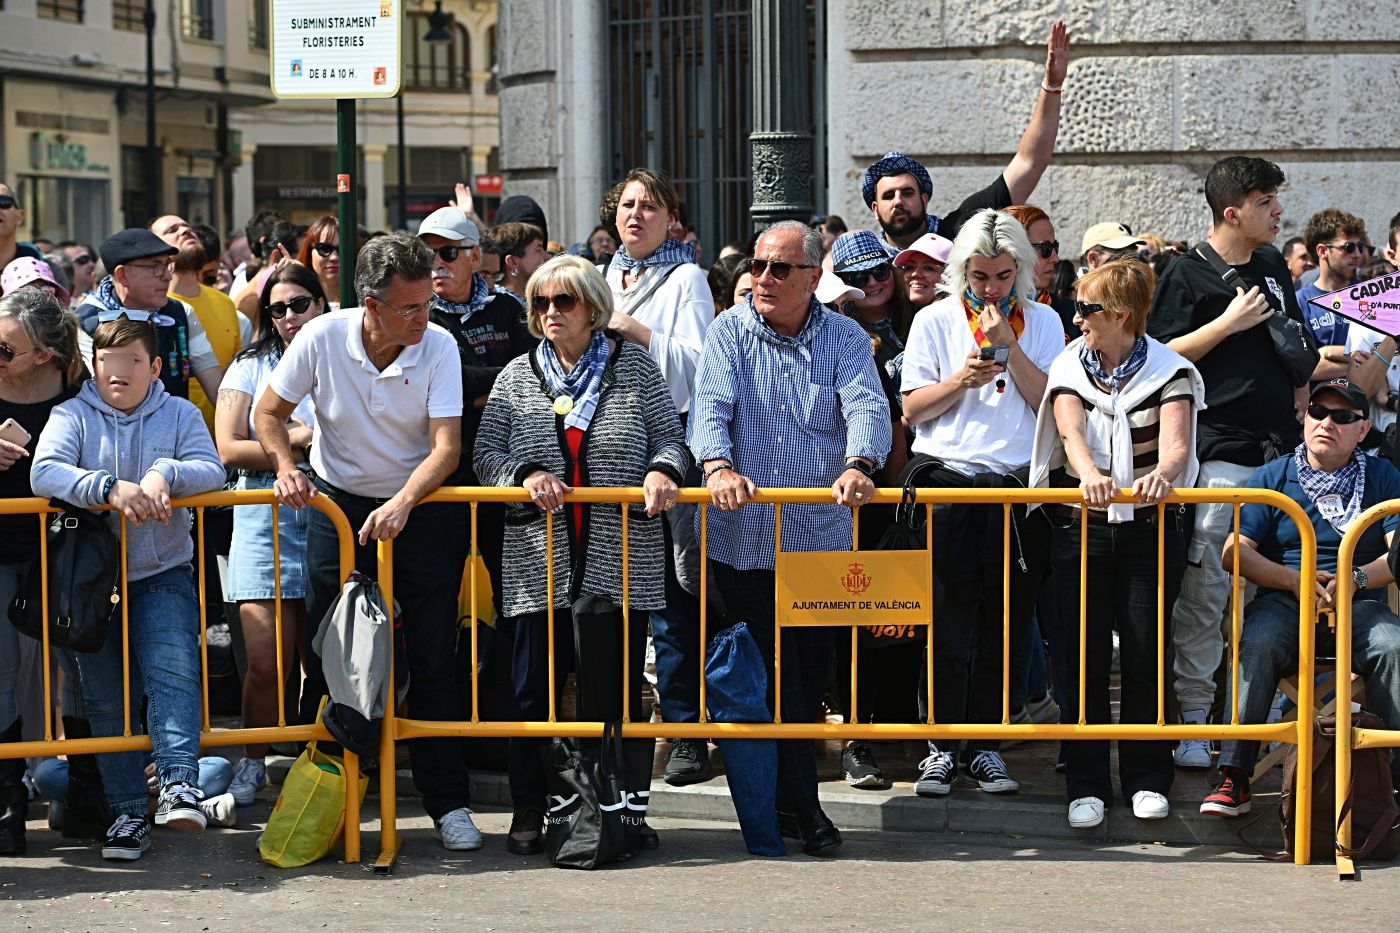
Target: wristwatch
[1359,579]
[855,463]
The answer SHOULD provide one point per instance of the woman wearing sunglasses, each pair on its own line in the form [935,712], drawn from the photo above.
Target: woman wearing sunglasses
[320,252]
[1119,413]
[1047,253]
[582,409]
[861,262]
[291,297]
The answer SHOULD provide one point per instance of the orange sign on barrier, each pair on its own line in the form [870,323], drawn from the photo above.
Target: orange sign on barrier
[884,588]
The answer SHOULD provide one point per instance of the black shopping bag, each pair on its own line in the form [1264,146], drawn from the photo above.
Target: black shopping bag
[593,818]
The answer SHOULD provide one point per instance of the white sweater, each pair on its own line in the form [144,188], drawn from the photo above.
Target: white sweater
[678,311]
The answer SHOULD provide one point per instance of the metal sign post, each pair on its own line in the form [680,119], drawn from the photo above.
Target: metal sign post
[343,52]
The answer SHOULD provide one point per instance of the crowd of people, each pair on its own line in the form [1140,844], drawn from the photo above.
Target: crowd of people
[931,352]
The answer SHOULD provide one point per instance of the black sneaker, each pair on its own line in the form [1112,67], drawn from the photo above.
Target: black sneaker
[1231,794]
[179,807]
[989,771]
[127,838]
[936,773]
[860,767]
[689,763]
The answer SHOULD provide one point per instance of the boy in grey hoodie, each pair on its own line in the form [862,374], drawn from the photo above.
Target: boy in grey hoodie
[124,441]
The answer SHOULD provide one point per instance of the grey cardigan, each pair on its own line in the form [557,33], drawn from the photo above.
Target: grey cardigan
[635,429]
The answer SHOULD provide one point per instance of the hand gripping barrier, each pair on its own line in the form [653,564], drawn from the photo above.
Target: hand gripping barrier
[1300,733]
[209,738]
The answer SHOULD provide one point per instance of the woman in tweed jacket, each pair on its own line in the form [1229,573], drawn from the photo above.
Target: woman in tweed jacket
[582,409]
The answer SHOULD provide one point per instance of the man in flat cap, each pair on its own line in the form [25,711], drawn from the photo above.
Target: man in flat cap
[897,188]
[139,267]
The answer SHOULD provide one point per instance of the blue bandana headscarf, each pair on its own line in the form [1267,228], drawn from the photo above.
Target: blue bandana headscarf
[670,253]
[481,294]
[581,384]
[1337,495]
[1093,365]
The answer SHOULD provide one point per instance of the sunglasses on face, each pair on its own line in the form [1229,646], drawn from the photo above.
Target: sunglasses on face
[297,305]
[1319,412]
[880,273]
[1046,249]
[7,202]
[8,353]
[83,260]
[1349,247]
[566,303]
[326,250]
[448,253]
[780,270]
[1084,308]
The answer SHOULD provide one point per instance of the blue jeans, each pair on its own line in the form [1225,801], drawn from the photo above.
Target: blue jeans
[675,629]
[1269,652]
[163,615]
[51,777]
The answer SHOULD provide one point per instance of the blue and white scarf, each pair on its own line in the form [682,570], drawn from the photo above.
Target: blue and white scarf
[111,307]
[482,293]
[581,384]
[670,253]
[1093,365]
[1337,494]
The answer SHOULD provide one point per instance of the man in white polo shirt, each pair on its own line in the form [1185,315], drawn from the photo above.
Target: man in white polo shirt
[387,386]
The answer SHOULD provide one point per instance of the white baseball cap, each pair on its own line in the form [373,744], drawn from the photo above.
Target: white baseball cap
[830,289]
[450,223]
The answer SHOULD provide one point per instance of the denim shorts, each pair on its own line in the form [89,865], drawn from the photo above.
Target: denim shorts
[250,554]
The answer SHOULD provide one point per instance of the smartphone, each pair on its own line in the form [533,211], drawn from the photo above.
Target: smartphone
[14,432]
[997,352]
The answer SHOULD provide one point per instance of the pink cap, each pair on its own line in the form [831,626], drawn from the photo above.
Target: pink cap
[27,271]
[929,246]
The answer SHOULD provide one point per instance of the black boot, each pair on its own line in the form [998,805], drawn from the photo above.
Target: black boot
[85,812]
[14,797]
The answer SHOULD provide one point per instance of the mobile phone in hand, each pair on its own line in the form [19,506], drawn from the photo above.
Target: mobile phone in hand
[997,352]
[14,432]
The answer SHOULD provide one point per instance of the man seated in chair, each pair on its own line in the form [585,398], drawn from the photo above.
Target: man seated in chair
[1333,482]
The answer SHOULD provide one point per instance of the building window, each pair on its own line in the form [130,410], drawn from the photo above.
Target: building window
[257,24]
[432,66]
[197,19]
[129,15]
[67,11]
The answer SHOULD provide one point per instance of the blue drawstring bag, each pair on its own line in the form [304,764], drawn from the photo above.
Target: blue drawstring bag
[736,685]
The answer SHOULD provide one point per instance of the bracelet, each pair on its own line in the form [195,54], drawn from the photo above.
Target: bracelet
[107,486]
[726,465]
[1057,89]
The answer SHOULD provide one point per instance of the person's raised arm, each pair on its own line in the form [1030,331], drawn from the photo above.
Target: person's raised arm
[1037,144]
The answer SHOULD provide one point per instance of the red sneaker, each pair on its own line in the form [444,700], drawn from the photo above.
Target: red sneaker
[1231,794]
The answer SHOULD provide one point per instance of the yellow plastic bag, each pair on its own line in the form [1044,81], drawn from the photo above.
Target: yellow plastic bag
[309,817]
[485,610]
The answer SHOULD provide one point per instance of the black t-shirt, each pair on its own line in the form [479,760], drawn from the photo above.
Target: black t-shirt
[486,342]
[1249,394]
[996,196]
[19,534]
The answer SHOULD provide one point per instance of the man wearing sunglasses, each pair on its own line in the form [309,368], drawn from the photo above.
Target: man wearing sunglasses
[1253,408]
[11,219]
[1336,240]
[490,332]
[83,259]
[1333,482]
[139,265]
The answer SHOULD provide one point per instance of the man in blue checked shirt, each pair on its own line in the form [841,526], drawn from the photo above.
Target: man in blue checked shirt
[786,395]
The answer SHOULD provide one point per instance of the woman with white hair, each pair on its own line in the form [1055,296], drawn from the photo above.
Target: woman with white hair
[974,374]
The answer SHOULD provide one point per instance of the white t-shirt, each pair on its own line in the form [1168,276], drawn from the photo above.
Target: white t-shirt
[251,375]
[678,312]
[984,429]
[371,426]
[1363,338]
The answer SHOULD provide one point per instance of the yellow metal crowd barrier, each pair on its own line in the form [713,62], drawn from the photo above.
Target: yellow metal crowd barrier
[1348,738]
[282,732]
[1300,733]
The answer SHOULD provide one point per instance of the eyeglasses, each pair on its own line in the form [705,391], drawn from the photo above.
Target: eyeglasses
[1319,412]
[880,273]
[160,269]
[408,314]
[212,279]
[1084,308]
[1349,247]
[449,253]
[780,270]
[563,302]
[7,202]
[8,353]
[326,250]
[83,260]
[297,305]
[1046,249]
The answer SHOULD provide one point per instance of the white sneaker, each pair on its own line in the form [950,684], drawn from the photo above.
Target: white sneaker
[457,831]
[219,811]
[1150,805]
[249,777]
[1086,813]
[1193,754]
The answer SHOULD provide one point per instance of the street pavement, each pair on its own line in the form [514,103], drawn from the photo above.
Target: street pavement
[700,879]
